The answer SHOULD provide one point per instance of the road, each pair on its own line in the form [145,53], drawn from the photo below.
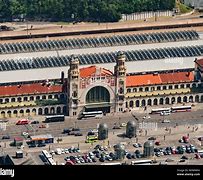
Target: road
[184,118]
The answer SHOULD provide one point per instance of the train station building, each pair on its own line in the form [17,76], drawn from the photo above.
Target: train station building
[95,88]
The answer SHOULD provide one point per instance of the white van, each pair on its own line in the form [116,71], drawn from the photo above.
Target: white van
[58,151]
[165,113]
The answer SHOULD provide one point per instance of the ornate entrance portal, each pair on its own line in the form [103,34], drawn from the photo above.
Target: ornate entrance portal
[98,99]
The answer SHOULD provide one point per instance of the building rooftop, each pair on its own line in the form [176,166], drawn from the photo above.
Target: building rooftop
[25,89]
[199,62]
[94,70]
[156,78]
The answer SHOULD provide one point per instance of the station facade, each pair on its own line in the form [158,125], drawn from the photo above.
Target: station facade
[98,89]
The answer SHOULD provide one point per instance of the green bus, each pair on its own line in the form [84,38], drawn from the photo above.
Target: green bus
[91,139]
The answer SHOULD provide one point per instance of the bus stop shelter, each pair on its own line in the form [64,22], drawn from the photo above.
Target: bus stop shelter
[42,139]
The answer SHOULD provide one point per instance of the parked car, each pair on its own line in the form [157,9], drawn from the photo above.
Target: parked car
[116,127]
[157,143]
[185,139]
[42,126]
[75,129]
[22,122]
[66,131]
[166,121]
[6,137]
[123,125]
[78,134]
[184,157]
[129,156]
[136,145]
[152,138]
[197,156]
[35,122]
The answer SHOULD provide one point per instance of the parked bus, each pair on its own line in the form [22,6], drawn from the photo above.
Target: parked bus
[91,139]
[116,163]
[142,162]
[48,157]
[56,118]
[95,114]
[181,109]
[160,110]
[22,122]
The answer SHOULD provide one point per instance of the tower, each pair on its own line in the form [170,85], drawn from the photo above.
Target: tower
[73,86]
[120,82]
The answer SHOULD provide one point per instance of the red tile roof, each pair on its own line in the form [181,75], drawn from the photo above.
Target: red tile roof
[89,71]
[36,88]
[165,78]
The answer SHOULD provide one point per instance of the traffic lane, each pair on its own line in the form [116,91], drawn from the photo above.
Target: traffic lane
[57,128]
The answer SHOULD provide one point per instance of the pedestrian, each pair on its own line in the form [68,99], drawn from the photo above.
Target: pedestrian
[164,137]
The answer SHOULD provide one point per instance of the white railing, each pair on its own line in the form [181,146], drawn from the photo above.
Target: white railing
[145,15]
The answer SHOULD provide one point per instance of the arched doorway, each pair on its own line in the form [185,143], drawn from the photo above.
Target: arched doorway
[161,101]
[155,102]
[149,102]
[46,111]
[58,110]
[131,104]
[27,112]
[185,99]
[9,114]
[15,113]
[137,103]
[98,99]
[191,99]
[143,103]
[173,100]
[202,98]
[40,111]
[126,104]
[21,113]
[179,100]
[196,98]
[52,110]
[3,114]
[167,101]
[13,99]
[34,112]
[64,110]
